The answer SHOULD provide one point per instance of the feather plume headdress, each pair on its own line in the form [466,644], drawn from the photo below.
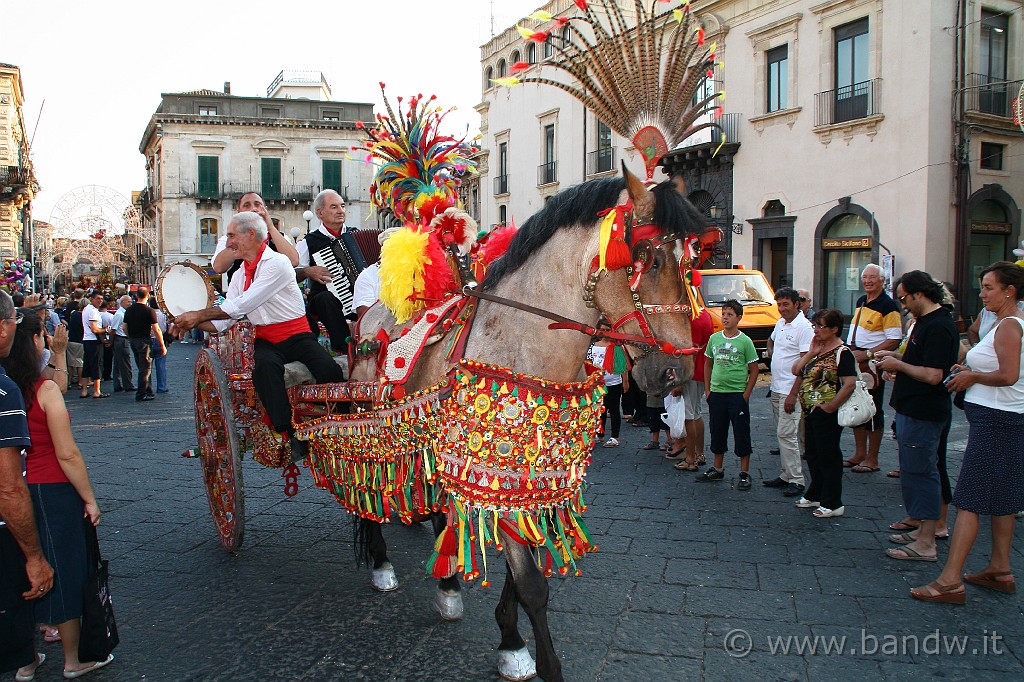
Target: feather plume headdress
[417,180]
[638,75]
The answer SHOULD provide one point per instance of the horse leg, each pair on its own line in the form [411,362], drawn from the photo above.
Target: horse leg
[370,546]
[448,597]
[531,589]
[514,660]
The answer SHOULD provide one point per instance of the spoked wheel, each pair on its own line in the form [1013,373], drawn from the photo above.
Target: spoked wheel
[219,450]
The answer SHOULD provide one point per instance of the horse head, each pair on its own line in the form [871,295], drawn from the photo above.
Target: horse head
[650,297]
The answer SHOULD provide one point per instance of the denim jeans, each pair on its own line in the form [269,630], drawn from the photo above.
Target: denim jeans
[159,366]
[919,473]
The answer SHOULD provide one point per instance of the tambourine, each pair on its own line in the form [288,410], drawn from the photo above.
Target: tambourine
[182,288]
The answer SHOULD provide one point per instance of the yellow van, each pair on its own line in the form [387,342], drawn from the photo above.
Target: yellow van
[752,290]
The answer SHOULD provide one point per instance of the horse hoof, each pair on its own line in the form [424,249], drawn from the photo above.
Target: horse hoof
[516,665]
[384,579]
[448,604]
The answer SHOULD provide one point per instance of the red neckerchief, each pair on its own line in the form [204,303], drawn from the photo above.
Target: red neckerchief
[332,232]
[250,268]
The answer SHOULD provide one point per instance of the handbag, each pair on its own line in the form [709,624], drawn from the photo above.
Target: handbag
[865,369]
[99,630]
[859,408]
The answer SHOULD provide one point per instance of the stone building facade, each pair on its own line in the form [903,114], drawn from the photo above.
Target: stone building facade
[858,131]
[17,181]
[204,149]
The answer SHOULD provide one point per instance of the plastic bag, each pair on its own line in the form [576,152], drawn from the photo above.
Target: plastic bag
[675,415]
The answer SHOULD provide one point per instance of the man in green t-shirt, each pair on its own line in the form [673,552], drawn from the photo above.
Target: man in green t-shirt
[730,372]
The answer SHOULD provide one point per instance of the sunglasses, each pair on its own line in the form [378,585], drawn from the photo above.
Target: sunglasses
[18,317]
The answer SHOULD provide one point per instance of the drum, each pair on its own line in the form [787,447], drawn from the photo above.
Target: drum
[183,287]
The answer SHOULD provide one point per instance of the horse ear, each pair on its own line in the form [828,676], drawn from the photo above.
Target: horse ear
[680,184]
[643,198]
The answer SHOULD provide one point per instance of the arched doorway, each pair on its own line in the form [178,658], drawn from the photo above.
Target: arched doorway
[994,230]
[847,238]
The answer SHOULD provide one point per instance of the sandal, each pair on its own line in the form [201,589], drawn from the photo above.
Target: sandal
[701,459]
[677,455]
[653,445]
[50,634]
[864,469]
[850,463]
[895,473]
[904,526]
[988,581]
[941,594]
[686,466]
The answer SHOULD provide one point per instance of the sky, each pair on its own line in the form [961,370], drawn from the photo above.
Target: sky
[102,66]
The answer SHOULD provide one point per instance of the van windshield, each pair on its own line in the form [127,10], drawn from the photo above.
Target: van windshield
[745,287]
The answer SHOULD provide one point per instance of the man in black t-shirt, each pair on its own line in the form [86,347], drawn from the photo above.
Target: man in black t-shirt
[140,322]
[922,405]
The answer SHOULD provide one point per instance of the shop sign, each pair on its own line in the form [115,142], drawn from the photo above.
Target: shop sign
[846,243]
[991,228]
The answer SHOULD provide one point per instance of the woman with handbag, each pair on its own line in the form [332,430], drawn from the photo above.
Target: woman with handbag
[993,466]
[828,375]
[61,495]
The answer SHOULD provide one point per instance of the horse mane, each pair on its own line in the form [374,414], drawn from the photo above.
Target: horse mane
[579,205]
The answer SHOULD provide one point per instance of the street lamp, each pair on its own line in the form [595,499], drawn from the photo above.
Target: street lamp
[308,217]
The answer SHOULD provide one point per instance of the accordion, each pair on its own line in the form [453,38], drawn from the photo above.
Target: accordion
[345,258]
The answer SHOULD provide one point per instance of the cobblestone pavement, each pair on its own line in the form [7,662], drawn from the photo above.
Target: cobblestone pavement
[684,572]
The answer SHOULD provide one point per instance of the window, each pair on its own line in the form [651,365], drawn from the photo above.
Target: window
[270,178]
[993,93]
[488,77]
[604,156]
[270,112]
[548,50]
[502,71]
[331,115]
[531,53]
[209,177]
[991,156]
[566,36]
[331,177]
[546,173]
[778,78]
[207,235]
[515,57]
[503,214]
[207,110]
[501,180]
[851,60]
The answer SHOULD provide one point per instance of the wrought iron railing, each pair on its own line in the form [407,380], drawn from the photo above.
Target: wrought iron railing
[15,175]
[990,95]
[847,103]
[727,123]
[601,160]
[501,184]
[547,173]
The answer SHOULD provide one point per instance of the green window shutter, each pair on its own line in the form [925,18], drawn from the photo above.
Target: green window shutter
[332,175]
[270,174]
[209,177]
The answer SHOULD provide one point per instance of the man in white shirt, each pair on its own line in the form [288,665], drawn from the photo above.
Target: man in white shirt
[330,209]
[107,341]
[367,288]
[265,291]
[92,324]
[122,348]
[790,339]
[226,261]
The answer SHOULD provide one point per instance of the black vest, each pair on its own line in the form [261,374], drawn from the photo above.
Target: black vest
[318,241]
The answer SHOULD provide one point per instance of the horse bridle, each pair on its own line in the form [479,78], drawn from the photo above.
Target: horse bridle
[646,240]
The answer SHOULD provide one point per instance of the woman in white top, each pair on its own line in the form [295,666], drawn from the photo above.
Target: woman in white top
[991,478]
[615,384]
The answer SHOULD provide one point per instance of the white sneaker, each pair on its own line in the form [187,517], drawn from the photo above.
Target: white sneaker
[826,513]
[804,503]
[612,443]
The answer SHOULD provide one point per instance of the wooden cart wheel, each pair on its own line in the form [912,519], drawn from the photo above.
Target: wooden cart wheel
[219,450]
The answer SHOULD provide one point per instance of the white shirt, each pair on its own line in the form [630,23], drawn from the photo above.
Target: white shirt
[89,315]
[790,339]
[367,288]
[106,319]
[118,322]
[222,243]
[272,297]
[988,320]
[303,248]
[982,358]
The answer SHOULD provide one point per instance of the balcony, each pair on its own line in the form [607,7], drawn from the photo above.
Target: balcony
[16,180]
[500,184]
[988,95]
[547,173]
[848,103]
[601,161]
[727,123]
[203,190]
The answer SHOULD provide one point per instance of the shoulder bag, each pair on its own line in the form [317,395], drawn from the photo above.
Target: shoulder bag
[99,631]
[864,369]
[859,408]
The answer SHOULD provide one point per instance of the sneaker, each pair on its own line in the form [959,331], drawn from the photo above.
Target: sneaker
[804,503]
[744,482]
[774,483]
[826,513]
[612,443]
[712,474]
[792,489]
